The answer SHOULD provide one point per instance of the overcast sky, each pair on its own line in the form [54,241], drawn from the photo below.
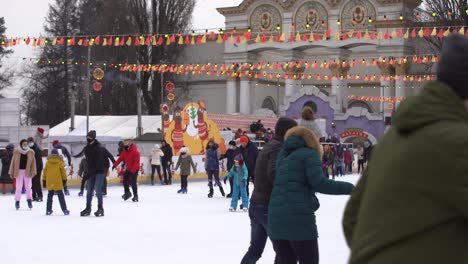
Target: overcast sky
[26,18]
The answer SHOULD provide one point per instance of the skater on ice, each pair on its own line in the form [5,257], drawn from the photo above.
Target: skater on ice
[55,178]
[65,154]
[291,215]
[131,156]
[155,160]
[259,202]
[6,161]
[184,162]
[229,156]
[166,162]
[23,169]
[36,181]
[83,174]
[212,157]
[249,153]
[240,175]
[411,204]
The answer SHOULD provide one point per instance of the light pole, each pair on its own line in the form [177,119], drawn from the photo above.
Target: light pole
[88,87]
[138,95]
[72,106]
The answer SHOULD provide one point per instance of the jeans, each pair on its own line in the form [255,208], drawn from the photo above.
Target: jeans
[61,197]
[167,171]
[183,181]
[95,184]
[258,214]
[235,197]
[36,185]
[23,181]
[360,165]
[339,171]
[83,182]
[214,174]
[153,169]
[290,252]
[130,179]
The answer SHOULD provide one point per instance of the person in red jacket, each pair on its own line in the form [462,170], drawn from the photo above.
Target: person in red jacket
[131,156]
[348,160]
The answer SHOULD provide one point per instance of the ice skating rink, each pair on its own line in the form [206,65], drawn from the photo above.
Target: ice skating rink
[164,227]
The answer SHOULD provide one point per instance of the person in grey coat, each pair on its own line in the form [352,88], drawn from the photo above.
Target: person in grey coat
[184,163]
[308,121]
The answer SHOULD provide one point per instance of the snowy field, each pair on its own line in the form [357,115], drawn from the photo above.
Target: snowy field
[164,227]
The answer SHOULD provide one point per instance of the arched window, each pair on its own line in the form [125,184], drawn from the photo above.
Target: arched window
[269,103]
[360,104]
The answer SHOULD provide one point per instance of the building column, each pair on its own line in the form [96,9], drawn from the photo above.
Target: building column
[292,84]
[244,100]
[400,85]
[386,88]
[231,96]
[338,82]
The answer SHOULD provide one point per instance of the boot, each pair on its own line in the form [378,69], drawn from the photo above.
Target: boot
[126,196]
[80,193]
[17,205]
[66,191]
[86,212]
[222,190]
[99,212]
[135,198]
[162,182]
[229,195]
[180,191]
[40,199]
[66,212]
[232,209]
[30,206]
[49,212]
[184,191]
[169,182]
[210,194]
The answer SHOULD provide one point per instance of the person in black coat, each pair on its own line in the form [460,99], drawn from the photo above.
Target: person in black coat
[229,156]
[249,152]
[36,181]
[166,162]
[265,171]
[6,160]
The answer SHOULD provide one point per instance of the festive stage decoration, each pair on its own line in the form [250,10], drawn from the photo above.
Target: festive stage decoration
[191,127]
[237,37]
[383,99]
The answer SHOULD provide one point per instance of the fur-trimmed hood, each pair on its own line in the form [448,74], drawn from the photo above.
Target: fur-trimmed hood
[298,137]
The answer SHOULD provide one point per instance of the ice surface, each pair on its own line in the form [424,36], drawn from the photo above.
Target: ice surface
[164,227]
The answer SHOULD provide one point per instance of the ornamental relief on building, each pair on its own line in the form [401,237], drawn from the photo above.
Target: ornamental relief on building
[355,15]
[312,14]
[265,17]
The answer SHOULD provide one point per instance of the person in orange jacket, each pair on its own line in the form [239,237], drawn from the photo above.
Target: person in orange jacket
[131,156]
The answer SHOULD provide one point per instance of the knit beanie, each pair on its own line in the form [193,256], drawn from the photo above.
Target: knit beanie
[244,139]
[283,125]
[92,134]
[453,66]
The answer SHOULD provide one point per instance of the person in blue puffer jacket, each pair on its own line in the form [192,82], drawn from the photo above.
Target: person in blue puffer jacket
[291,216]
[240,175]
[212,157]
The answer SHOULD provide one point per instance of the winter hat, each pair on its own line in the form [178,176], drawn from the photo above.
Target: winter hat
[156,146]
[91,134]
[30,139]
[10,147]
[244,139]
[232,143]
[283,125]
[183,150]
[453,64]
[308,113]
[55,142]
[55,151]
[40,130]
[239,159]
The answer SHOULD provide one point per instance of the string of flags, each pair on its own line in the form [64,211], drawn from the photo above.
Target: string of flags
[235,36]
[383,99]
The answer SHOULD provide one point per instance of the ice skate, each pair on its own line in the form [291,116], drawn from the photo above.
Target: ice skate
[30,205]
[17,205]
[232,209]
[80,194]
[180,191]
[49,212]
[135,198]
[210,194]
[67,192]
[99,212]
[184,191]
[245,209]
[86,212]
[126,196]
[66,212]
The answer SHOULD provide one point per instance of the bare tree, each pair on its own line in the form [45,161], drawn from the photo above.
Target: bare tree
[5,76]
[160,17]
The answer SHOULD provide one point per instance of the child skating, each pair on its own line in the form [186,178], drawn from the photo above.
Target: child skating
[54,179]
[184,162]
[240,174]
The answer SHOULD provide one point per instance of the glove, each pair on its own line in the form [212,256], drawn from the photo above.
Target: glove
[64,183]
[242,183]
[44,184]
[225,180]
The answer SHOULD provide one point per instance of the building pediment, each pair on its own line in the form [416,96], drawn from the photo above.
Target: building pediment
[288,5]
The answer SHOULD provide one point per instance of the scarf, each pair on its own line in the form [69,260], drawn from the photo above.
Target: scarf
[22,151]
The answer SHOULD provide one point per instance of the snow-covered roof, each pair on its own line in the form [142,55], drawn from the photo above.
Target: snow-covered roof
[114,126]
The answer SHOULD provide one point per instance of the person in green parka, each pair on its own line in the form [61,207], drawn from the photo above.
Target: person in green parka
[291,216]
[411,204]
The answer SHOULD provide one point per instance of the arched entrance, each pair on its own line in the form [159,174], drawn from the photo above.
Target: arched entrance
[357,136]
[269,103]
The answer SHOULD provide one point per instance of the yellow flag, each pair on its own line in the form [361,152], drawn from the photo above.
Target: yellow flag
[421,33]
[337,35]
[447,32]
[462,31]
[311,38]
[366,35]
[434,32]
[394,33]
[181,40]
[272,38]
[54,42]
[104,42]
[406,34]
[379,35]
[192,41]
[231,39]
[283,37]
[257,39]
[203,40]
[351,33]
[219,39]
[129,41]
[168,40]
[298,37]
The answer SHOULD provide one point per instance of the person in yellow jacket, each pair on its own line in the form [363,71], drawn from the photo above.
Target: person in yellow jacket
[54,179]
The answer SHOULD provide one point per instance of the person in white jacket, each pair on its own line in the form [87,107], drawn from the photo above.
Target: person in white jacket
[156,154]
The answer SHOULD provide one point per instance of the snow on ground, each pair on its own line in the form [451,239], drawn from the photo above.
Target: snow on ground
[164,227]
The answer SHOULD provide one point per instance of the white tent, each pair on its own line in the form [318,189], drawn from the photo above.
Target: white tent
[107,126]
